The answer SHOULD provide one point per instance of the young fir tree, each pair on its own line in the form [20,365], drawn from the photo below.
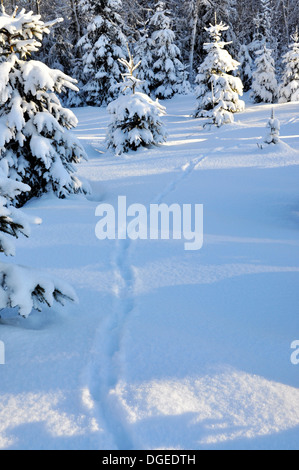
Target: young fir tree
[102,46]
[264,84]
[289,89]
[168,75]
[35,140]
[22,288]
[274,128]
[136,118]
[218,91]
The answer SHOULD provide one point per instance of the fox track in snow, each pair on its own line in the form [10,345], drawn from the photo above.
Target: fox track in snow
[103,371]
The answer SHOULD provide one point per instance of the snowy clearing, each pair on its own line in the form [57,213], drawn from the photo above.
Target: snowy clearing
[167,349]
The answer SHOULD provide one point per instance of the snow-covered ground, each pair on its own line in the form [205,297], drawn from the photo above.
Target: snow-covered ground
[167,349]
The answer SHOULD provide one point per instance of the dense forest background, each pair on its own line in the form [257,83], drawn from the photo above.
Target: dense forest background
[246,19]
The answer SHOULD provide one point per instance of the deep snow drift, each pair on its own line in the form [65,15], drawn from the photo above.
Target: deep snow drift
[167,349]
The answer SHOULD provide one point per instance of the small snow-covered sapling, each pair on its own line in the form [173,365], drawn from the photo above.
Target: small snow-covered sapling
[274,130]
[136,118]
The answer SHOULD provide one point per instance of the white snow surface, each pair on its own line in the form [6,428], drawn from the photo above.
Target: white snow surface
[167,349]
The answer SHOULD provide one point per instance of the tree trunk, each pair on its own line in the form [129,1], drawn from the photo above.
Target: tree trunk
[74,7]
[286,11]
[194,25]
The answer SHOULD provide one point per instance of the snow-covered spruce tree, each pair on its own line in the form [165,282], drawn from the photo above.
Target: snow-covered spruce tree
[102,46]
[264,84]
[264,21]
[136,118]
[273,125]
[262,27]
[35,140]
[58,52]
[23,288]
[246,67]
[218,91]
[289,88]
[169,74]
[261,30]
[143,52]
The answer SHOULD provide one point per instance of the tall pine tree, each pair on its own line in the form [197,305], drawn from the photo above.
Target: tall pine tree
[264,84]
[289,89]
[246,67]
[169,74]
[265,21]
[22,288]
[144,56]
[218,91]
[102,46]
[35,139]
